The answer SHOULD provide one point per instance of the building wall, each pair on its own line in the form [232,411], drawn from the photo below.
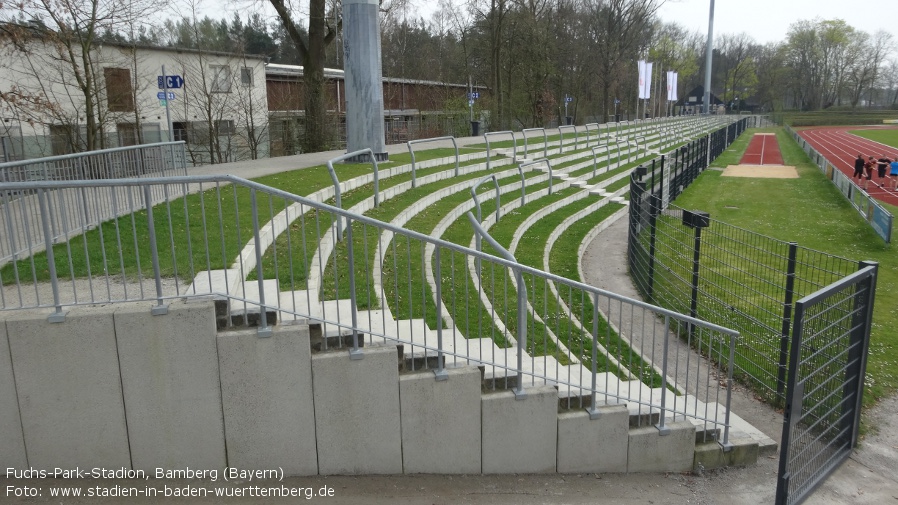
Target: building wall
[222,100]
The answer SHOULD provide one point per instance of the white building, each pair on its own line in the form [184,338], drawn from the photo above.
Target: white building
[54,101]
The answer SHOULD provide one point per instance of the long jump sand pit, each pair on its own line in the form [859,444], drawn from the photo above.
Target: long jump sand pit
[761,171]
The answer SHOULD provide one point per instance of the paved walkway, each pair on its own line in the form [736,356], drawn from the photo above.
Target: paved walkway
[257,168]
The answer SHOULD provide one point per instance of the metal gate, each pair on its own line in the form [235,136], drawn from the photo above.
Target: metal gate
[828,360]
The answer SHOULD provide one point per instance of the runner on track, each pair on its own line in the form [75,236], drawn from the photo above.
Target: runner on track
[858,168]
[868,167]
[893,176]
[881,165]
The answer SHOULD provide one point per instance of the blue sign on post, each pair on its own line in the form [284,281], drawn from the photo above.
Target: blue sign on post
[568,99]
[474,95]
[161,95]
[170,82]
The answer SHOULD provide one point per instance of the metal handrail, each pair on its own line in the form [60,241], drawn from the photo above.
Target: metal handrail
[514,142]
[521,339]
[541,160]
[596,129]
[422,141]
[64,157]
[337,193]
[239,181]
[545,139]
[561,134]
[607,157]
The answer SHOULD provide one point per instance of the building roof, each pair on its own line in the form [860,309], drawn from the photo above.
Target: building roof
[697,97]
[280,70]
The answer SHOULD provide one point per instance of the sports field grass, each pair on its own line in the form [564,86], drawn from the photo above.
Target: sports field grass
[887,137]
[810,211]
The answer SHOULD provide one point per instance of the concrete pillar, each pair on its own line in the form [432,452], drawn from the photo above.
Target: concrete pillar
[171,385]
[69,389]
[441,422]
[12,441]
[593,445]
[357,412]
[363,78]
[650,452]
[520,436]
[266,389]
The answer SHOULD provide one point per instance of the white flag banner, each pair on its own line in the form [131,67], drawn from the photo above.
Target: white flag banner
[676,86]
[648,80]
[642,79]
[671,86]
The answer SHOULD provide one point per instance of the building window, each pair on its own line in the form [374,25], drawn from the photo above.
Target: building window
[119,95]
[225,127]
[221,79]
[127,134]
[179,131]
[62,139]
[246,76]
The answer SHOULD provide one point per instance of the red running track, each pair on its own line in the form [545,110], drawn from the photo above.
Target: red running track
[841,148]
[763,149]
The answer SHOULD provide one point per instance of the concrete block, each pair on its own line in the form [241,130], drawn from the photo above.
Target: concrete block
[710,455]
[593,446]
[648,451]
[12,441]
[357,412]
[520,436]
[266,390]
[441,421]
[69,389]
[171,386]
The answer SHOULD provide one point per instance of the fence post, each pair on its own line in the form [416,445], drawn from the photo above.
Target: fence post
[696,220]
[787,322]
[858,351]
[59,315]
[654,207]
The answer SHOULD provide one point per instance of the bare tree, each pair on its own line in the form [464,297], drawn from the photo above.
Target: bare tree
[321,32]
[60,51]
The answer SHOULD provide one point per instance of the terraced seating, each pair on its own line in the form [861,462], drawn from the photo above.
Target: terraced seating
[580,174]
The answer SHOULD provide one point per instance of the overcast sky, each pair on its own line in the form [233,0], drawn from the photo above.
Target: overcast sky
[769,20]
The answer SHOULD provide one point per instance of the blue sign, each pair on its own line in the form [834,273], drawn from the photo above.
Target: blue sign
[568,99]
[170,81]
[161,95]
[474,95]
[881,220]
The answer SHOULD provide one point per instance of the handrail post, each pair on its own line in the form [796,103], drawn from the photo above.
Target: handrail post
[264,329]
[160,308]
[519,392]
[355,353]
[412,153]
[663,429]
[59,315]
[593,410]
[440,374]
[337,194]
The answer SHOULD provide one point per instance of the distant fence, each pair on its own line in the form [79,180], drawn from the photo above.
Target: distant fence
[871,210]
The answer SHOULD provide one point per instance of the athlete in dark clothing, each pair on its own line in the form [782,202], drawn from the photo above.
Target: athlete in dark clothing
[858,167]
[881,165]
